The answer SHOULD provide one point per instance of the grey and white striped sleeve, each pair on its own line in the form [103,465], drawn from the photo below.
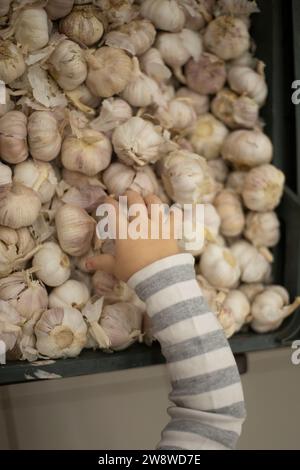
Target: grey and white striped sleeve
[206,389]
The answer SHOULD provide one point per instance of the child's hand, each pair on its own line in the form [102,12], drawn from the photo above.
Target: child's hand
[133,255]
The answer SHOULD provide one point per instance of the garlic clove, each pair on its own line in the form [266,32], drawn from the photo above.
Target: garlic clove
[153,65]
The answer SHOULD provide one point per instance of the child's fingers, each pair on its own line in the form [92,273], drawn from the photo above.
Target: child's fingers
[151,199]
[101,262]
[134,198]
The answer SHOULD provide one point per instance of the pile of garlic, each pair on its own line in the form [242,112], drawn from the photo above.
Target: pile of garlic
[159,96]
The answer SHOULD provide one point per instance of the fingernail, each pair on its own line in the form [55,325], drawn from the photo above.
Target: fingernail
[89,265]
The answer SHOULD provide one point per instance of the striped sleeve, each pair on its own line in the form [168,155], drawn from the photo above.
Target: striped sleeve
[208,409]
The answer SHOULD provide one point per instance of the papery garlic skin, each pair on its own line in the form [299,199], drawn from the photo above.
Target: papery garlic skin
[236,181]
[141,91]
[263,188]
[246,81]
[235,111]
[13,137]
[153,65]
[239,306]
[262,228]
[207,136]
[39,176]
[253,263]
[118,178]
[12,64]
[179,114]
[58,8]
[113,113]
[82,25]
[218,169]
[109,71]
[219,266]
[135,37]
[69,294]
[4,8]
[83,99]
[227,37]
[164,14]
[207,75]
[43,136]
[229,207]
[88,154]
[32,28]
[52,265]
[145,182]
[199,102]
[75,229]
[61,332]
[118,12]
[16,248]
[67,65]
[247,149]
[20,207]
[251,290]
[5,179]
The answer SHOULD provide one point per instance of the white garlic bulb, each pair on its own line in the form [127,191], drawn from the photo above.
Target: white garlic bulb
[207,75]
[153,65]
[13,137]
[20,207]
[199,102]
[43,136]
[141,91]
[118,178]
[237,303]
[179,114]
[229,207]
[58,8]
[251,290]
[219,266]
[31,28]
[83,25]
[67,65]
[255,264]
[61,332]
[135,37]
[16,248]
[137,142]
[109,71]
[207,136]
[245,81]
[12,64]
[245,148]
[236,181]
[164,14]
[235,111]
[37,175]
[75,229]
[218,169]
[89,154]
[71,293]
[187,178]
[262,228]
[263,188]
[5,179]
[52,265]
[227,37]
[113,113]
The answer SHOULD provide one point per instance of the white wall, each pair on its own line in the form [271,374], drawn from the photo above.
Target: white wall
[127,409]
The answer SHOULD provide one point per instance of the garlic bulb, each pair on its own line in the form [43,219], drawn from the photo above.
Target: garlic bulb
[137,142]
[109,71]
[255,264]
[235,111]
[178,115]
[237,303]
[145,182]
[248,149]
[58,8]
[153,65]
[69,294]
[88,196]
[13,137]
[135,37]
[31,28]
[164,14]
[141,91]
[4,8]
[113,113]
[251,290]
[103,283]
[206,75]
[12,64]
[212,223]
[263,188]
[118,178]
[52,265]
[43,136]
[5,179]
[207,136]
[227,37]
[75,229]
[117,12]
[230,210]
[16,248]
[67,65]
[89,154]
[186,178]
[219,266]
[20,207]
[83,25]
[198,14]
[246,81]
[219,170]
[8,105]
[61,332]
[236,181]
[199,102]
[262,228]
[37,175]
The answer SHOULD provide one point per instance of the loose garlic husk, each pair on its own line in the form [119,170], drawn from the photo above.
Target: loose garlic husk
[52,265]
[235,111]
[219,266]
[246,81]
[177,48]
[43,136]
[236,181]
[238,305]
[255,264]
[31,28]
[186,178]
[5,179]
[207,75]
[199,102]
[75,229]
[178,115]
[164,14]
[251,290]
[207,136]
[71,293]
[113,113]
[229,207]
[109,71]
[153,65]
[12,64]
[219,169]
[58,8]
[16,248]
[20,207]
[247,149]
[61,332]
[89,153]
[83,99]
[13,137]
[67,65]
[262,228]
[83,25]
[138,142]
[227,37]
[135,37]
[37,175]
[263,188]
